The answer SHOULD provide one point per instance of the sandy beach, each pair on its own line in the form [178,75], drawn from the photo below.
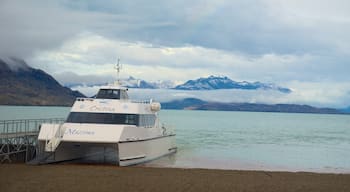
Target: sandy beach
[21,177]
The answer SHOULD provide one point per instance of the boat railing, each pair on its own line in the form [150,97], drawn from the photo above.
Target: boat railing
[132,101]
[25,125]
[18,138]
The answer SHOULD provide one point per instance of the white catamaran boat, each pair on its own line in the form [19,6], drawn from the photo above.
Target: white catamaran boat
[109,127]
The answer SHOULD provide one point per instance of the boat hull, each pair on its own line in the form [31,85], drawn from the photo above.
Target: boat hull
[79,151]
[122,153]
[136,152]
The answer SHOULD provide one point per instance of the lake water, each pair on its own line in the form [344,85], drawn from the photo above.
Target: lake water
[242,140]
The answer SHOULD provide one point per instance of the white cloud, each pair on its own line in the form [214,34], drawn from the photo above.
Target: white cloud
[283,42]
[320,93]
[305,94]
[91,54]
[325,24]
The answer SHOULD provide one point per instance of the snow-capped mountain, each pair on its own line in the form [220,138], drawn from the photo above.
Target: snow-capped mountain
[209,83]
[132,82]
[214,82]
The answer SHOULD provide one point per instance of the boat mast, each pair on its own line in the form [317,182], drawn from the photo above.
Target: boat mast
[118,67]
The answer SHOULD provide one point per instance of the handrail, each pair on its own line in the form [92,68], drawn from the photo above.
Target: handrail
[20,136]
[22,120]
[25,125]
[132,101]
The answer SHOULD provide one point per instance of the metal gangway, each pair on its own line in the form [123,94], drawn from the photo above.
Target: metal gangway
[18,138]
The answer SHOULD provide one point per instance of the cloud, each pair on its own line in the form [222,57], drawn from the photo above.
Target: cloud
[32,26]
[91,54]
[253,40]
[251,26]
[322,96]
[322,93]
[71,79]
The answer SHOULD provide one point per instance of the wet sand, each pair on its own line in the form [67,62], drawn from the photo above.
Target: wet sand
[21,177]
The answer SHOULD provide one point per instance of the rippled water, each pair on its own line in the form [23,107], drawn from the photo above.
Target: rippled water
[243,140]
[264,141]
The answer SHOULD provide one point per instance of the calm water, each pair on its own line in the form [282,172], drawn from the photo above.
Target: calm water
[243,140]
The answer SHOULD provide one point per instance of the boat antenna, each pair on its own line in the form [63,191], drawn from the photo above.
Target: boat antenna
[118,67]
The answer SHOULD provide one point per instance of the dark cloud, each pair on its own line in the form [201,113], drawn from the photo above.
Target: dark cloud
[249,27]
[28,27]
[305,44]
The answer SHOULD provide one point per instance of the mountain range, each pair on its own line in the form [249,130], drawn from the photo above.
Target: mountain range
[346,110]
[204,83]
[23,85]
[197,104]
[215,82]
[132,82]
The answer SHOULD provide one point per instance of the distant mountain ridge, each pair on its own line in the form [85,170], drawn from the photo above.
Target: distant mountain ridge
[197,104]
[209,83]
[214,82]
[346,110]
[23,85]
[132,82]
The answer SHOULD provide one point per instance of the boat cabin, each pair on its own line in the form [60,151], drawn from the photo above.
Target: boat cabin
[112,93]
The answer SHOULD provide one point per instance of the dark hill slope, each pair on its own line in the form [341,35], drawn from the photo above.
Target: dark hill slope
[23,85]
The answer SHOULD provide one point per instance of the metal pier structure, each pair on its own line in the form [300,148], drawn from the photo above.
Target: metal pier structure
[18,138]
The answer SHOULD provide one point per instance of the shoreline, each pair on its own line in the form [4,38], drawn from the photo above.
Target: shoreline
[235,165]
[262,169]
[87,177]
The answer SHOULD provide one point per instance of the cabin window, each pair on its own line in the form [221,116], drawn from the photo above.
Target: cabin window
[143,120]
[108,94]
[147,120]
[131,119]
[102,118]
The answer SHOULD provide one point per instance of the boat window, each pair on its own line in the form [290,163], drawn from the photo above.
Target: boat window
[102,118]
[147,120]
[143,120]
[108,94]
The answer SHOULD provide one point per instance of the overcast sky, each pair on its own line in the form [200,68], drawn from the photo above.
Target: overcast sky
[300,44]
